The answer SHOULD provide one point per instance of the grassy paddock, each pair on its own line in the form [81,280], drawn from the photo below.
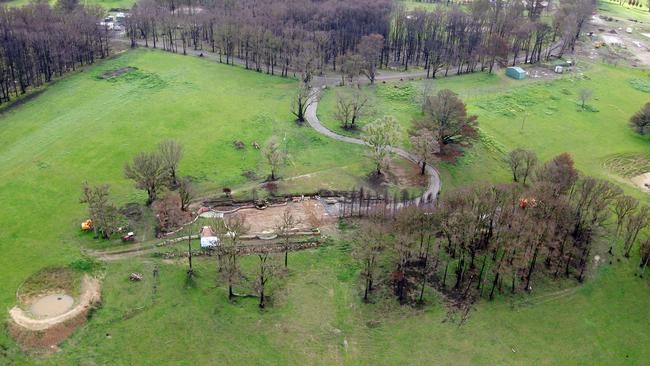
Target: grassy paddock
[87,128]
[542,115]
[319,308]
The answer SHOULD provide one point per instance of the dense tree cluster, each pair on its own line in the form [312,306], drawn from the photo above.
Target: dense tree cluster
[267,35]
[358,37]
[40,43]
[485,239]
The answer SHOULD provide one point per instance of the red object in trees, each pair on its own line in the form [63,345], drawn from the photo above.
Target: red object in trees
[128,237]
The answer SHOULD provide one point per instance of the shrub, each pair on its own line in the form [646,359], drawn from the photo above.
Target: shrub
[85,264]
[640,85]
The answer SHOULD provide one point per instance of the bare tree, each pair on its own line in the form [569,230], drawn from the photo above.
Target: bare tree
[169,213]
[622,207]
[275,155]
[105,216]
[584,95]
[360,103]
[267,270]
[379,136]
[148,172]
[350,67]
[559,174]
[284,229]
[350,109]
[186,192]
[369,244]
[370,48]
[425,145]
[171,152]
[634,224]
[228,251]
[521,164]
[343,111]
[305,97]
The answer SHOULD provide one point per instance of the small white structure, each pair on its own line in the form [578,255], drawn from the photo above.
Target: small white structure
[208,239]
[628,29]
[559,69]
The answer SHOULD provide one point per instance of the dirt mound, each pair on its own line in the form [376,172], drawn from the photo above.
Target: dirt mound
[47,332]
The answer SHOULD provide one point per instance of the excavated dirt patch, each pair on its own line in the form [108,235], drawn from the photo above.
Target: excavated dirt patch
[308,213]
[47,331]
[642,181]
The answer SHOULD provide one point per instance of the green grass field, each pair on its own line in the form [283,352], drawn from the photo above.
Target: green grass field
[602,323]
[552,120]
[625,11]
[86,128]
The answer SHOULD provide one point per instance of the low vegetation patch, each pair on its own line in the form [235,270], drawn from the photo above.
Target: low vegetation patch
[49,280]
[113,73]
[130,74]
[640,85]
[512,103]
[628,165]
[402,91]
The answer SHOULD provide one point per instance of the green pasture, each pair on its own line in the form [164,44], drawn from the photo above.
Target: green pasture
[541,114]
[87,128]
[317,310]
[83,127]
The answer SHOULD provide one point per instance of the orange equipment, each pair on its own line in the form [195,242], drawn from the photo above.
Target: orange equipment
[87,225]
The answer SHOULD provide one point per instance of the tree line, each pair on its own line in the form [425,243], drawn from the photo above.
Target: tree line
[357,37]
[40,42]
[487,239]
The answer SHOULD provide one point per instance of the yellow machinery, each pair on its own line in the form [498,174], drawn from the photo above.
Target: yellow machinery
[87,225]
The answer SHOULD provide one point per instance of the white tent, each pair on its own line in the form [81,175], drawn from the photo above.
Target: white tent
[208,239]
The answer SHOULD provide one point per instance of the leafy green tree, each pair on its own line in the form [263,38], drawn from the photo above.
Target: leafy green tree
[379,136]
[106,218]
[149,173]
[275,155]
[445,115]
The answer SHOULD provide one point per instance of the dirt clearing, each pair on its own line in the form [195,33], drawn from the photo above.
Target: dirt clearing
[309,213]
[642,181]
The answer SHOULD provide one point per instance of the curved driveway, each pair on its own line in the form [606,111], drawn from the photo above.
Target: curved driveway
[434,184]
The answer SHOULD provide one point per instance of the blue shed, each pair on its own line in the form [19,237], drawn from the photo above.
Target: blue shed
[516,72]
